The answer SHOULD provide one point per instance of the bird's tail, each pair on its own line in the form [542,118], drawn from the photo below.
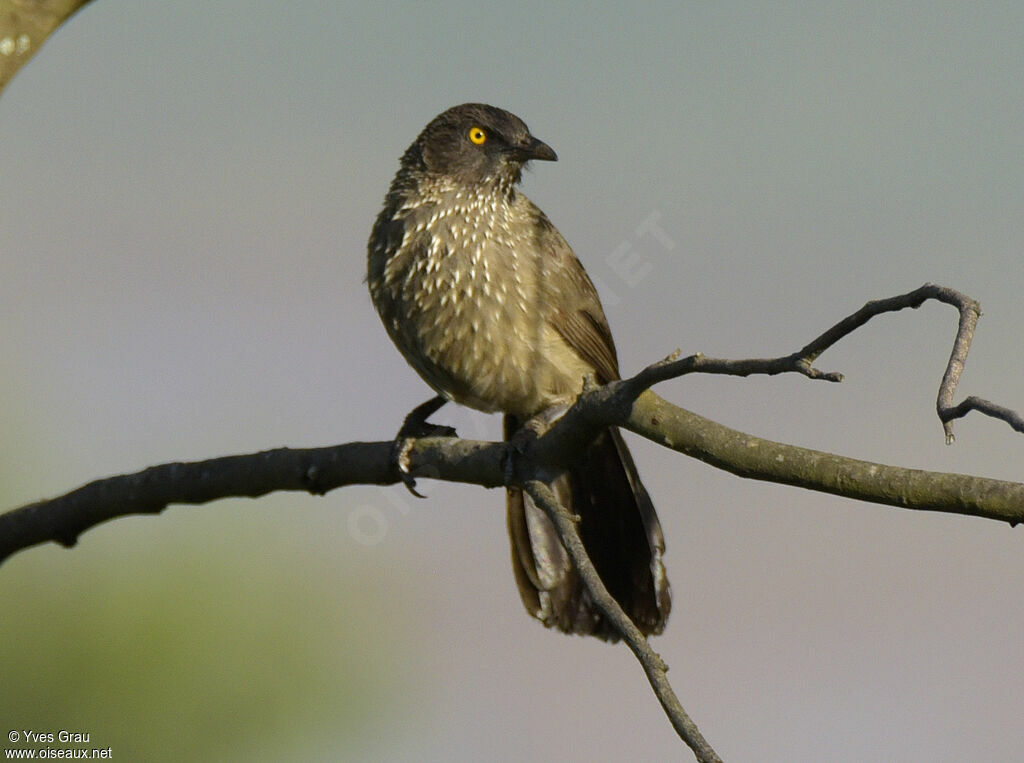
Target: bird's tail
[619,529]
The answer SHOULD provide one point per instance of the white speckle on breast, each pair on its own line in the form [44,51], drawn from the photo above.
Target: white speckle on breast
[465,298]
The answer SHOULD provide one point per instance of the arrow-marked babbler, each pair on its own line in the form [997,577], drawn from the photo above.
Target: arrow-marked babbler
[486,300]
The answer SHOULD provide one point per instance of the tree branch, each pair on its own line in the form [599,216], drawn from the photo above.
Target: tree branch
[653,665]
[628,403]
[747,456]
[801,361]
[312,470]
[319,470]
[24,27]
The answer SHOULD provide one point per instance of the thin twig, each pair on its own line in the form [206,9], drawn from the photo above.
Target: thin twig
[987,407]
[802,360]
[653,665]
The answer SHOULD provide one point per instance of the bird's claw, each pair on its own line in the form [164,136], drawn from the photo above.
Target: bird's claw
[416,426]
[402,449]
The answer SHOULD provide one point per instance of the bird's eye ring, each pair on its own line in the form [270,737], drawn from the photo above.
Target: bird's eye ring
[477,135]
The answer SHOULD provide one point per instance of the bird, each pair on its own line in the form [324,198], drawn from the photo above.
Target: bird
[487,301]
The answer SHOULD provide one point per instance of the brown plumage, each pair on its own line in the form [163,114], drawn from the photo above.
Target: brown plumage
[486,300]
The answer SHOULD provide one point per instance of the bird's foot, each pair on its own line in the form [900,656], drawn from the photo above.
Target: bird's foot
[416,426]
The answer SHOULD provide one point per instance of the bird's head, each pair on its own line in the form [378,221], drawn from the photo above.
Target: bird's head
[475,143]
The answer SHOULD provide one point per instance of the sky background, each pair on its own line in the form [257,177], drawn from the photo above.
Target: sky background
[187,192]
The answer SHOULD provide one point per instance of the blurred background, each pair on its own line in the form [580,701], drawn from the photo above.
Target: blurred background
[187,192]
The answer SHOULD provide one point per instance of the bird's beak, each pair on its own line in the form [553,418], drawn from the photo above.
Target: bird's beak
[536,149]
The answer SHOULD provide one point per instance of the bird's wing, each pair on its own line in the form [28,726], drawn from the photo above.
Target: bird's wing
[579,319]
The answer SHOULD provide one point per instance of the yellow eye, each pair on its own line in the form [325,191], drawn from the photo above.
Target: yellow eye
[477,135]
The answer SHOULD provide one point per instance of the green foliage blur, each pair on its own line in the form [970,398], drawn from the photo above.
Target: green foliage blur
[166,641]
